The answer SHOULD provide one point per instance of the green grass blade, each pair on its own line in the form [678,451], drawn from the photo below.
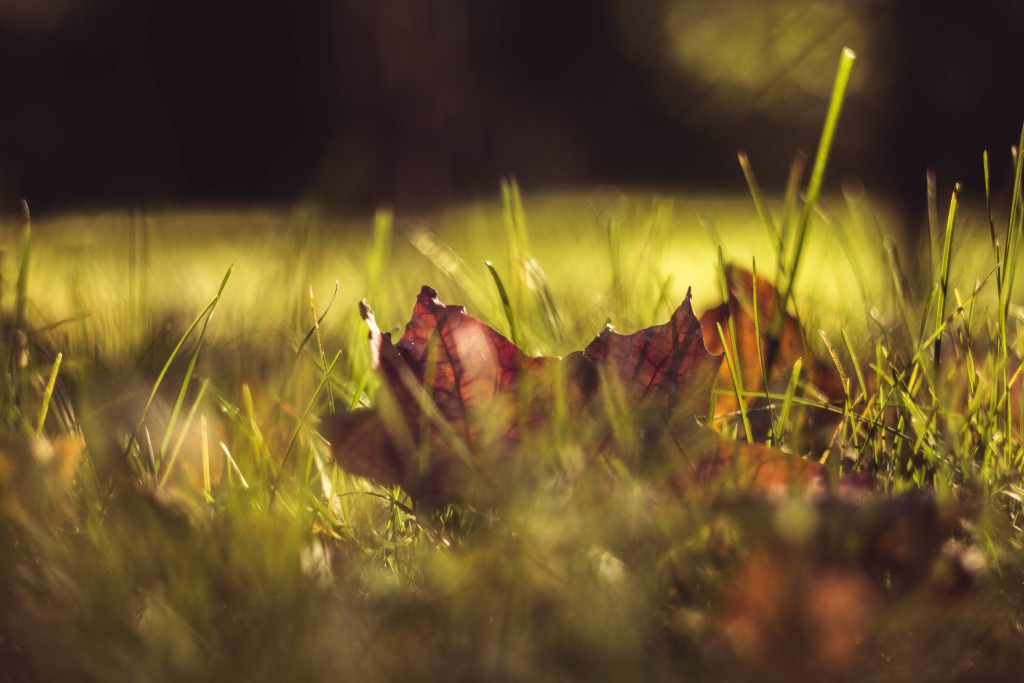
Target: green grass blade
[992,227]
[789,399]
[856,365]
[320,341]
[48,393]
[516,238]
[756,314]
[835,107]
[167,366]
[843,377]
[947,248]
[732,353]
[790,204]
[506,304]
[303,419]
[737,382]
[176,410]
[183,434]
[932,201]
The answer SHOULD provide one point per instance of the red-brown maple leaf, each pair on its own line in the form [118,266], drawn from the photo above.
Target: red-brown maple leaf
[456,393]
[664,368]
[470,372]
[458,397]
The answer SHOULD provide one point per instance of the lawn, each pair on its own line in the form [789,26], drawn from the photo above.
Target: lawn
[170,508]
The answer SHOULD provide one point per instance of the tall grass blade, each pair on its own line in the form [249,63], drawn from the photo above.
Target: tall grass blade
[856,366]
[320,341]
[732,352]
[947,248]
[303,419]
[317,321]
[186,380]
[760,353]
[835,107]
[1011,249]
[183,434]
[992,226]
[516,238]
[790,204]
[506,304]
[167,366]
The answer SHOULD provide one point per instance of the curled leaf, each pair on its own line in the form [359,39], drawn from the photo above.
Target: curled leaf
[458,399]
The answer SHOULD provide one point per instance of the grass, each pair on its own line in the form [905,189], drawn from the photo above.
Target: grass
[169,510]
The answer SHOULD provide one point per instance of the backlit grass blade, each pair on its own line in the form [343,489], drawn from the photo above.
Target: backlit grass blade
[320,341]
[506,305]
[947,247]
[731,351]
[172,458]
[835,107]
[856,365]
[48,393]
[516,238]
[303,419]
[756,314]
[790,397]
[176,410]
[167,366]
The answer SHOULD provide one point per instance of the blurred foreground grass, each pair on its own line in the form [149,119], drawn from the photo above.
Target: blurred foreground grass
[218,542]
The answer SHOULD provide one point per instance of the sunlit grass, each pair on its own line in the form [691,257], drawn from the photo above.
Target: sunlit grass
[228,546]
[169,508]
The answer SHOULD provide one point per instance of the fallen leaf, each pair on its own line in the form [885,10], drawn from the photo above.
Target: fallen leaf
[455,395]
[777,348]
[471,373]
[710,460]
[665,368]
[458,397]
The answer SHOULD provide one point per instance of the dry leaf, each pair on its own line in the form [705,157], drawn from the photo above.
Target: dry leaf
[458,398]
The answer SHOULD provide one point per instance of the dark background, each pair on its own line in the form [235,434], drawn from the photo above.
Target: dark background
[350,103]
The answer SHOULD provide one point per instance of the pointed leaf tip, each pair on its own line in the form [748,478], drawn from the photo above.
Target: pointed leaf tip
[662,368]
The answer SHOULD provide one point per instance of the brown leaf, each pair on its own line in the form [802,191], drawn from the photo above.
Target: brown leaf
[664,368]
[456,394]
[457,398]
[470,372]
[705,459]
[778,352]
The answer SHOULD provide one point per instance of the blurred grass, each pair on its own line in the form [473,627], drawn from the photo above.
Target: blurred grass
[229,548]
[131,271]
